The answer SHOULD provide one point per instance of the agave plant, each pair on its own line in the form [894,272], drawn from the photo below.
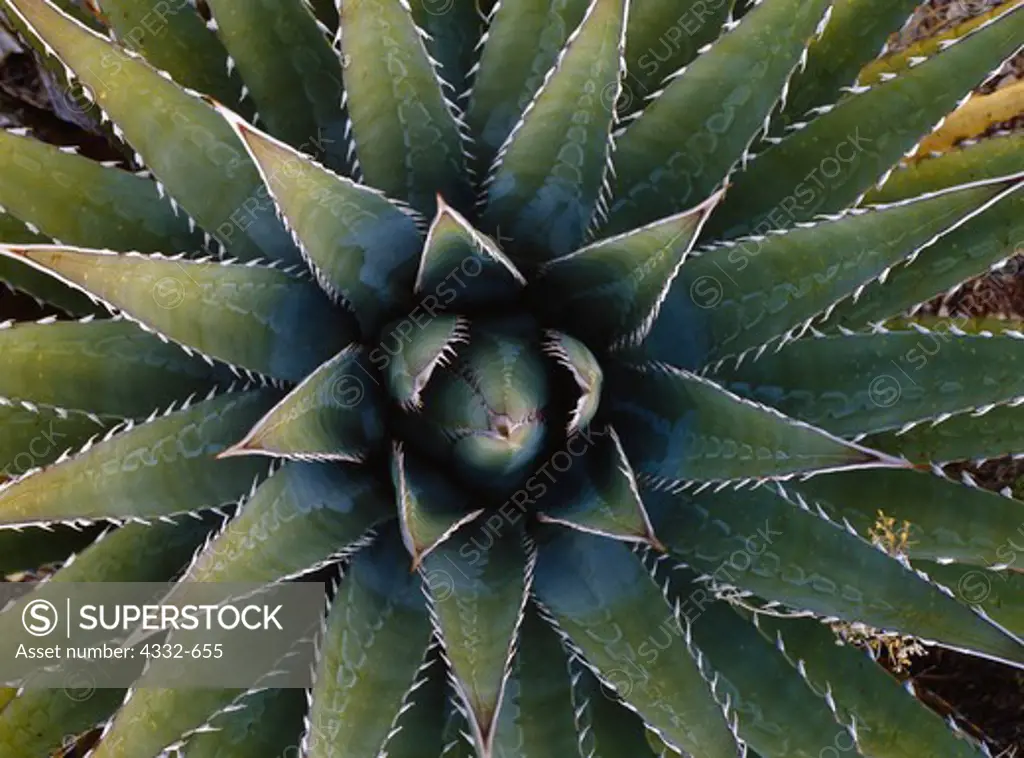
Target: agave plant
[556,330]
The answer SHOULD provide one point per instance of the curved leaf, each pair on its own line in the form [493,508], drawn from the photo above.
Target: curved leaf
[265,723]
[585,369]
[546,186]
[415,358]
[38,437]
[607,606]
[372,655]
[39,721]
[676,426]
[720,102]
[329,416]
[163,467]
[181,139]
[244,315]
[999,593]
[404,127]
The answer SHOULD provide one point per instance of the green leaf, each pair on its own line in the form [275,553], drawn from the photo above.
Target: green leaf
[404,125]
[662,37]
[606,605]
[372,654]
[948,520]
[537,717]
[416,357]
[890,721]
[510,73]
[453,250]
[612,730]
[546,188]
[329,416]
[188,147]
[676,426]
[174,38]
[153,718]
[720,102]
[585,369]
[315,512]
[361,246]
[38,721]
[759,542]
[420,729]
[113,208]
[160,468]
[611,291]
[109,368]
[856,32]
[430,508]
[37,437]
[856,143]
[749,292]
[249,316]
[971,250]
[291,71]
[600,496]
[265,723]
[21,277]
[777,714]
[879,382]
[478,582]
[1000,594]
[455,30]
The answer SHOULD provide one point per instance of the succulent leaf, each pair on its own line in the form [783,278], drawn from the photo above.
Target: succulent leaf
[595,589]
[266,722]
[545,188]
[586,372]
[606,726]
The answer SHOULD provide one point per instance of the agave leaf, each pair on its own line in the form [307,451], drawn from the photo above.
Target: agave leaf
[856,32]
[404,125]
[879,382]
[676,426]
[372,654]
[585,369]
[753,291]
[600,496]
[547,184]
[607,727]
[478,581]
[455,250]
[39,721]
[454,31]
[611,291]
[890,721]
[662,37]
[606,605]
[216,184]
[430,508]
[329,416]
[419,730]
[244,315]
[417,354]
[175,39]
[537,717]
[37,437]
[21,277]
[720,101]
[154,718]
[108,368]
[266,722]
[318,511]
[361,245]
[291,72]
[933,506]
[856,143]
[971,250]
[28,549]
[980,114]
[160,468]
[981,433]
[999,593]
[778,715]
[509,73]
[112,208]
[759,542]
